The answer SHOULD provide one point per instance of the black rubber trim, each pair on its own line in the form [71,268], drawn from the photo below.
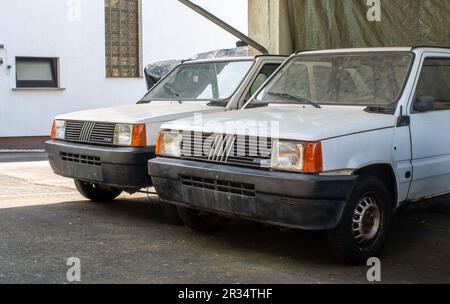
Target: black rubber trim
[291,200]
[271,182]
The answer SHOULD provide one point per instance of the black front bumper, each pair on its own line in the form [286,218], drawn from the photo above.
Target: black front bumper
[124,168]
[291,200]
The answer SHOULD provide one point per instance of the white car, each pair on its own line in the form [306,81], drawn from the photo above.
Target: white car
[106,150]
[356,134]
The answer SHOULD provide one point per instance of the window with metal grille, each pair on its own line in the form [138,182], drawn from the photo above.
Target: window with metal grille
[122,23]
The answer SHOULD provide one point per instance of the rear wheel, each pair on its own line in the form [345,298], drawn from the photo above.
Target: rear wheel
[365,223]
[202,221]
[97,192]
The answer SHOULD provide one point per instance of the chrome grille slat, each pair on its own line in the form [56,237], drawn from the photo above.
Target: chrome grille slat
[225,148]
[90,132]
[98,133]
[103,130]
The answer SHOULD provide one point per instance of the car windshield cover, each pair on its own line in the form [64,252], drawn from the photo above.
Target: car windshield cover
[200,81]
[362,79]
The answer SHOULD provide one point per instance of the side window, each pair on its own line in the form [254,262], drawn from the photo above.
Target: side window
[433,89]
[36,72]
[266,71]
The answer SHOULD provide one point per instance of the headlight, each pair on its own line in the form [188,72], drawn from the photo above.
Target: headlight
[169,144]
[297,157]
[123,134]
[130,135]
[58,129]
[288,156]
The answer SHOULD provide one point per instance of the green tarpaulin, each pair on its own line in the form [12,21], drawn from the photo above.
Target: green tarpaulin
[323,24]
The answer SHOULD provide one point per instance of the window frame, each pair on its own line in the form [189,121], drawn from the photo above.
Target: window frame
[54,68]
[426,57]
[264,65]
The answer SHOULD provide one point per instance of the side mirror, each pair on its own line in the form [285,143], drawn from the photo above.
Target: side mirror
[424,103]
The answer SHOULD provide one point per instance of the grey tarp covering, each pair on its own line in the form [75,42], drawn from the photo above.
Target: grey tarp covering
[323,24]
[155,71]
[235,52]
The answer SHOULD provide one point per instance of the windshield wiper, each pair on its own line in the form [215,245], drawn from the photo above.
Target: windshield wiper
[173,92]
[254,104]
[297,98]
[380,109]
[218,103]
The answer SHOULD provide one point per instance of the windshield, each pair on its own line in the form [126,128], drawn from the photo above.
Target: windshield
[201,81]
[366,79]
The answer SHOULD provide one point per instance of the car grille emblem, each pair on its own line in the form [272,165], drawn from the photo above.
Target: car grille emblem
[221,148]
[86,131]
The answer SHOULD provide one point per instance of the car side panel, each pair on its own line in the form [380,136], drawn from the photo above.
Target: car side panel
[430,146]
[389,146]
[431,154]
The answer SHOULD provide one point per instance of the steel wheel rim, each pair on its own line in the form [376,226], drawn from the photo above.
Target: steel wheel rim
[367,221]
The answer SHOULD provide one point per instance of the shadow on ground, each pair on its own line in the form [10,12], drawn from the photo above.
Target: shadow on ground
[129,241]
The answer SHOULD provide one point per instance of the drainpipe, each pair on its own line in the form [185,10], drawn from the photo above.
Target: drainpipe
[225,26]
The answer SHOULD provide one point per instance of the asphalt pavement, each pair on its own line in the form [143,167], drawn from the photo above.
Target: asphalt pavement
[44,222]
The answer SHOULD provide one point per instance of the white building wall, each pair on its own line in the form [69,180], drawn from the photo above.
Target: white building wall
[74,31]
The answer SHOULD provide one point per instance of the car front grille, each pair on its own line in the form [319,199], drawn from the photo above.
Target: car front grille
[230,149]
[81,159]
[221,186]
[90,132]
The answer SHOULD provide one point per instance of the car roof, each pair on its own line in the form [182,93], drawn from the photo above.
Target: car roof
[222,59]
[359,50]
[228,59]
[375,49]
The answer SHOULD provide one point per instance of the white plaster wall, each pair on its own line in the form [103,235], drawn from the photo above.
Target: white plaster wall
[183,33]
[53,28]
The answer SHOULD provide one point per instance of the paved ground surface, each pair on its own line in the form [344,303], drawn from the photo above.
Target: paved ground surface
[44,221]
[22,156]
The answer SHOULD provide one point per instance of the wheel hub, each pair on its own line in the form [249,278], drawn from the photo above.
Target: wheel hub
[366,221]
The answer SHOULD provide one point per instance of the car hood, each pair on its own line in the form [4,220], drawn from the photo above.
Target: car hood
[157,111]
[289,122]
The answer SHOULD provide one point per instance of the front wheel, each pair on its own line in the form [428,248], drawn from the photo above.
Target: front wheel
[96,192]
[365,223]
[202,221]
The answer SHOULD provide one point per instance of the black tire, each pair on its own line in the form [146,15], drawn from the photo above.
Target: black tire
[171,214]
[363,229]
[96,192]
[202,221]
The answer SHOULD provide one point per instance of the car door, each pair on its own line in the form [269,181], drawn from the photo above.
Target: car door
[430,129]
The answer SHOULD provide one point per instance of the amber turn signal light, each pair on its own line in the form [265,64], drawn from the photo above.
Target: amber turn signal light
[139,138]
[313,162]
[53,131]
[158,142]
